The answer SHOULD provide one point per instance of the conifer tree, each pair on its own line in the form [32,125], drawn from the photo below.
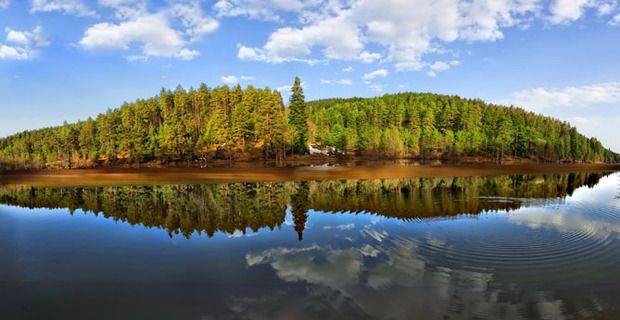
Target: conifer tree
[298,117]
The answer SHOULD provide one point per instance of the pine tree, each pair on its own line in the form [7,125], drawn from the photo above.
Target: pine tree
[270,124]
[298,117]
[242,121]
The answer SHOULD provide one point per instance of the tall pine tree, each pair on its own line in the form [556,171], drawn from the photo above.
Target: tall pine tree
[298,117]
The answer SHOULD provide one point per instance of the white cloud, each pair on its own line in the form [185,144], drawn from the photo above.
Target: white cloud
[196,23]
[22,45]
[262,9]
[344,82]
[567,11]
[229,80]
[381,73]
[367,57]
[615,21]
[5,4]
[347,69]
[161,34]
[292,44]
[233,80]
[125,9]
[13,53]
[73,7]
[576,96]
[152,31]
[407,30]
[440,66]
[606,7]
[257,54]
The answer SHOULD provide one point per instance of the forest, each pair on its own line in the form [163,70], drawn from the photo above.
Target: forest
[234,123]
[248,207]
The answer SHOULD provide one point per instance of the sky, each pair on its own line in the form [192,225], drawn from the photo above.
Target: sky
[66,60]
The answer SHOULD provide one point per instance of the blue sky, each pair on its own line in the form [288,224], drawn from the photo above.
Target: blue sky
[70,59]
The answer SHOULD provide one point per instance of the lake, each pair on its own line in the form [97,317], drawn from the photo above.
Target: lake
[502,246]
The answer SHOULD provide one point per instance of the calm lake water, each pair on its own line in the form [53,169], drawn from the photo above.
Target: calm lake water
[500,247]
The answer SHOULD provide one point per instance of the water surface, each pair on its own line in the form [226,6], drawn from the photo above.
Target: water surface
[500,247]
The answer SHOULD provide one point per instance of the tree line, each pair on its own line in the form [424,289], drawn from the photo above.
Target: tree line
[435,126]
[242,207]
[236,124]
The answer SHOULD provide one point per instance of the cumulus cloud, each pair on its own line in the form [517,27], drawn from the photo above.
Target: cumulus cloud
[292,44]
[72,7]
[347,69]
[344,82]
[22,45]
[615,21]
[160,34]
[5,4]
[407,30]
[381,73]
[537,99]
[440,66]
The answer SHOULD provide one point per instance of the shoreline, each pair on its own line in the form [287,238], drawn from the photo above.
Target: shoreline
[256,173]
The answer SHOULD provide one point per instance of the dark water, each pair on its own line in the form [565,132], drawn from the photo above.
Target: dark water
[503,247]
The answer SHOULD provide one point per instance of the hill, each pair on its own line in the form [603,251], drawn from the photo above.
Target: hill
[235,123]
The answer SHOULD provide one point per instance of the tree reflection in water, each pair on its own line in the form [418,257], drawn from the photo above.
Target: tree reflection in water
[237,207]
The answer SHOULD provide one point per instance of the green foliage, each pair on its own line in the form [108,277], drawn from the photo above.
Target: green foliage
[298,117]
[430,126]
[234,122]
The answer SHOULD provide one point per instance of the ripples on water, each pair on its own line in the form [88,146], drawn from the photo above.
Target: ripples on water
[504,247]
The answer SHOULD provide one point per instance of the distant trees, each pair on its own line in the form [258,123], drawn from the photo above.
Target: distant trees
[235,123]
[432,126]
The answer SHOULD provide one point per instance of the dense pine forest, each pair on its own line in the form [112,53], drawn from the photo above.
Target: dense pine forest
[200,125]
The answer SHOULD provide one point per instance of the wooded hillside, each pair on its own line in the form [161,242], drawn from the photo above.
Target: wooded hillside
[235,123]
